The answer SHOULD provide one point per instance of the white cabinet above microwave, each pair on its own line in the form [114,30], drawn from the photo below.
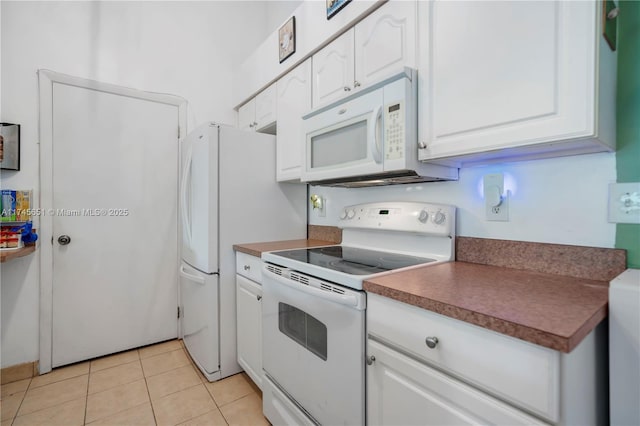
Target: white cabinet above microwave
[514,81]
[368,138]
[380,45]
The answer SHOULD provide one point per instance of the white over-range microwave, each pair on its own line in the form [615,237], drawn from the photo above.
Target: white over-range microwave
[369,138]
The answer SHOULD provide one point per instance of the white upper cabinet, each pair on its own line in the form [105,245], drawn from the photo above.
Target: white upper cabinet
[507,80]
[385,42]
[380,45]
[293,101]
[266,108]
[247,115]
[333,72]
[259,114]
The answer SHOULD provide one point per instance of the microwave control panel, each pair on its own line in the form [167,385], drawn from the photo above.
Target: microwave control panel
[394,130]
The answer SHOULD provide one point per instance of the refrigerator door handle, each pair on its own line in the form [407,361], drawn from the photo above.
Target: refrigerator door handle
[186,174]
[191,277]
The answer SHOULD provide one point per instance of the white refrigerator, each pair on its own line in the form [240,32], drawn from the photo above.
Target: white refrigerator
[228,195]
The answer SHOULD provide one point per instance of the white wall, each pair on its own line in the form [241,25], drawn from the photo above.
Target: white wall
[559,200]
[189,49]
[278,11]
[313,30]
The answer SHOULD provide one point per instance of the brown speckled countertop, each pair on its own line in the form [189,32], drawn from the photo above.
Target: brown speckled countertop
[256,249]
[549,310]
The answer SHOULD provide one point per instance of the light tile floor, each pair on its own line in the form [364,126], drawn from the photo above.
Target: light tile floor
[157,384]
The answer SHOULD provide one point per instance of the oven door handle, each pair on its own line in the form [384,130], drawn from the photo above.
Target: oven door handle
[343,299]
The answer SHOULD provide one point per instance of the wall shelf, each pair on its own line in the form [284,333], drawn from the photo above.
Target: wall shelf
[13,254]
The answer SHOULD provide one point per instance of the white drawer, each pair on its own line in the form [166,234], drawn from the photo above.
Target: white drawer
[249,266]
[511,369]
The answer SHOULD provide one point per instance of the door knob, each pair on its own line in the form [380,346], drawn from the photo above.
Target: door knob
[63,240]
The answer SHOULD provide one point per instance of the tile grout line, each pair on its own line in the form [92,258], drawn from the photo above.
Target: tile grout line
[146,384]
[86,397]
[214,401]
[13,418]
[87,394]
[120,384]
[116,413]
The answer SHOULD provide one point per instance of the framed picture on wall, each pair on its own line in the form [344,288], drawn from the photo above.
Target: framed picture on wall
[334,6]
[287,39]
[609,23]
[9,146]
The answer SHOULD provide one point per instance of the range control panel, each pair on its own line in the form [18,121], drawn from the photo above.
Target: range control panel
[422,218]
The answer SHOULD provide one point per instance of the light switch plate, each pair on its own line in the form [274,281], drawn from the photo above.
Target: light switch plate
[624,202]
[318,205]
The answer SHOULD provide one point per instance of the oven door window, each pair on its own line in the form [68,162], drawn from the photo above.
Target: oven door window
[303,329]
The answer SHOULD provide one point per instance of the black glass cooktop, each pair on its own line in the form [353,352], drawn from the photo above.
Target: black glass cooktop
[351,260]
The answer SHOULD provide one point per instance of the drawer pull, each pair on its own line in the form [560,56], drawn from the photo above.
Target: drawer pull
[370,359]
[431,342]
[258,297]
[247,267]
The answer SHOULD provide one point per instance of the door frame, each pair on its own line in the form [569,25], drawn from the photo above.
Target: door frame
[46,79]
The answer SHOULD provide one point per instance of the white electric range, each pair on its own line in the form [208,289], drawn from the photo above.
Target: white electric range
[313,307]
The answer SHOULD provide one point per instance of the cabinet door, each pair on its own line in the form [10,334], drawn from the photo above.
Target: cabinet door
[333,70]
[385,42]
[247,115]
[294,100]
[500,75]
[265,108]
[249,323]
[402,391]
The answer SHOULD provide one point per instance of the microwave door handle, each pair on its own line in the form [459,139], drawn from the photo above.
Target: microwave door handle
[376,136]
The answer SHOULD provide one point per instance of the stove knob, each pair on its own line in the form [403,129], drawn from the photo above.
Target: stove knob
[439,218]
[343,215]
[351,214]
[424,216]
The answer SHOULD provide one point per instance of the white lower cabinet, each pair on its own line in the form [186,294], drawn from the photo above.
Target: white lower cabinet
[403,391]
[249,317]
[429,369]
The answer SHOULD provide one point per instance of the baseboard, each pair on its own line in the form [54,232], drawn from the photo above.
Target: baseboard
[18,372]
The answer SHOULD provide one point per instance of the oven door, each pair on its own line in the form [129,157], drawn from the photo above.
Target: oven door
[345,140]
[313,346]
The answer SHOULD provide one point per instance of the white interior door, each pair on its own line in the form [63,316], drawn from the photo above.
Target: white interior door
[114,191]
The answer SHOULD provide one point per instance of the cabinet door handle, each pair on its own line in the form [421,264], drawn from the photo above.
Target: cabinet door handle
[347,88]
[431,342]
[247,267]
[258,297]
[356,84]
[370,360]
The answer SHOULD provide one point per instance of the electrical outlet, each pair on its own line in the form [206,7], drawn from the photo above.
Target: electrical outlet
[624,202]
[499,213]
[495,199]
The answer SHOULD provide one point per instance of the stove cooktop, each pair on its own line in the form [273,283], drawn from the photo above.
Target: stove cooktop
[352,260]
